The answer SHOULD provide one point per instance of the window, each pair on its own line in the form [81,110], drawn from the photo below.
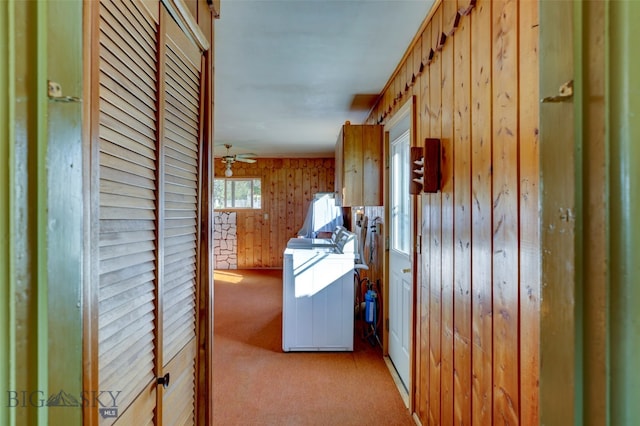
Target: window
[401,206]
[237,193]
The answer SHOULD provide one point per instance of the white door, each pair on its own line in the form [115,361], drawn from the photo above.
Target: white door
[400,272]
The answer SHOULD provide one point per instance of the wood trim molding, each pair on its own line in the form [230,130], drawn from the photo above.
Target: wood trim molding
[160,212]
[439,42]
[91,175]
[180,12]
[408,109]
[200,364]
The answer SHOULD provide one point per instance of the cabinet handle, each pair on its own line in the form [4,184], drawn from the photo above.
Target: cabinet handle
[164,380]
[406,271]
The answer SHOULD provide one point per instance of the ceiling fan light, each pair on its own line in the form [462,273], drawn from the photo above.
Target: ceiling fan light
[227,170]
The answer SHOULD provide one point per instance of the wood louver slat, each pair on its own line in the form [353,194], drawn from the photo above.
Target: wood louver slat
[128,74]
[184,83]
[116,163]
[176,157]
[180,173]
[124,276]
[146,22]
[125,225]
[110,239]
[121,42]
[179,118]
[108,187]
[118,289]
[113,86]
[136,142]
[136,34]
[112,53]
[144,37]
[184,272]
[137,371]
[138,330]
[122,110]
[183,104]
[143,137]
[127,215]
[181,227]
[124,200]
[177,189]
[122,153]
[118,337]
[126,178]
[181,135]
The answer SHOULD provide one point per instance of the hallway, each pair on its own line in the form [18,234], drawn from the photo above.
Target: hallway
[255,383]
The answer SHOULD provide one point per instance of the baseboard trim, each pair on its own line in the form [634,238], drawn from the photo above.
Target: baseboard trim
[416,419]
[396,379]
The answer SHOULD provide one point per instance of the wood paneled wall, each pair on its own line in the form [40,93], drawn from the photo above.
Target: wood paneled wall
[288,185]
[474,72]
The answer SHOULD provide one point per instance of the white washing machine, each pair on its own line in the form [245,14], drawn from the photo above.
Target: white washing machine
[317,308]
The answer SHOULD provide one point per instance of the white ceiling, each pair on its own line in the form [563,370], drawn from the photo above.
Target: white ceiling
[288,73]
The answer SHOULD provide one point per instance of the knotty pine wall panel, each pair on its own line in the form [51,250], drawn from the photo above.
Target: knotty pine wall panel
[288,185]
[462,223]
[528,229]
[445,117]
[477,331]
[481,280]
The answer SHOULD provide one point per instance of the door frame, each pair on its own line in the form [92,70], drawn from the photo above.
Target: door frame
[408,108]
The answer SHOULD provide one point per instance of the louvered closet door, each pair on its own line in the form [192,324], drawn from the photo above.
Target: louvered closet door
[181,150]
[127,208]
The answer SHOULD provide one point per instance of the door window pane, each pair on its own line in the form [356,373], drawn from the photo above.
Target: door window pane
[400,200]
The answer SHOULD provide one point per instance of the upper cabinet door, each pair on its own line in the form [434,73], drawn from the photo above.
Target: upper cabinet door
[359,165]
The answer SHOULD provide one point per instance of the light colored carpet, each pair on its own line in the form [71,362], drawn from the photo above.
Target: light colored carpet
[256,383]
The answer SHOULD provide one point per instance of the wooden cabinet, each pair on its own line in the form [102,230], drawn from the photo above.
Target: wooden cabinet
[358,165]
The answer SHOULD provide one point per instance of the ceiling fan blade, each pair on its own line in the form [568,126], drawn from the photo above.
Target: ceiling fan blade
[248,155]
[245,160]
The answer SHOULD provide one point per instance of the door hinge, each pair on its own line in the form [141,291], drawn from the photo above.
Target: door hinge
[419,244]
[54,92]
[386,243]
[565,93]
[386,324]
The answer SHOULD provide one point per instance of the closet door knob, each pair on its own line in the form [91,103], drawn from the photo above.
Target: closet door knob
[164,380]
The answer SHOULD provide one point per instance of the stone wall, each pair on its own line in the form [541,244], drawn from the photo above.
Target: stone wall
[225,240]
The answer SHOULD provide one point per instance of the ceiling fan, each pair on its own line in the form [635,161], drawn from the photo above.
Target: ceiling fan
[229,159]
